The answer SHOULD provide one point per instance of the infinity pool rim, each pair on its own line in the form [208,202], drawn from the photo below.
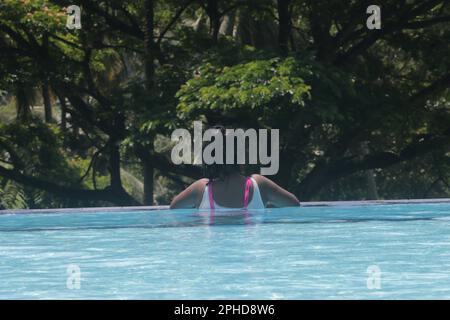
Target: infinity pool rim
[166,207]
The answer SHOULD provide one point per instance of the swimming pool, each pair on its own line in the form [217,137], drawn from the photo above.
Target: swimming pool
[395,251]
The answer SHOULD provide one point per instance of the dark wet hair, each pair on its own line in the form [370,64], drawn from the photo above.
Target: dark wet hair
[217,171]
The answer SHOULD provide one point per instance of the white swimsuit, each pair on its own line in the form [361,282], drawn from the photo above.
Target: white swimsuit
[255,203]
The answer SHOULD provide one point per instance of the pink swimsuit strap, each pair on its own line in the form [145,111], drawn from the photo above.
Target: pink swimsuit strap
[248,183]
[210,194]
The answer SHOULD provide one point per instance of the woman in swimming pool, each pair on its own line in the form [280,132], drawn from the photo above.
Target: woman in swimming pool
[226,188]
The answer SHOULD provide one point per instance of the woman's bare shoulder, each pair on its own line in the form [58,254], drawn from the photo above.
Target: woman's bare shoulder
[197,186]
[201,183]
[191,196]
[261,180]
[264,183]
[275,194]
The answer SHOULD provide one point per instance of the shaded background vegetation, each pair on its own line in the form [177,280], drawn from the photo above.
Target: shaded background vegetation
[86,115]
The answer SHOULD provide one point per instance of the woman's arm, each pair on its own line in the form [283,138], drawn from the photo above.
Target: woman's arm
[190,197]
[274,194]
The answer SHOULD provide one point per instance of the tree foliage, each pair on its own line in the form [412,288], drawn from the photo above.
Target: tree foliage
[86,114]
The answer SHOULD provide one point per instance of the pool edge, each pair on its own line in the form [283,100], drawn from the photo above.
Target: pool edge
[155,208]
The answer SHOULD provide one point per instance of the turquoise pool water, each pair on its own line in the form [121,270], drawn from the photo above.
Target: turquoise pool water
[351,252]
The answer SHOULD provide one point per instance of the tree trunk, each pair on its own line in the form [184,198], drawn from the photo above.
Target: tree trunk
[242,29]
[148,183]
[47,103]
[149,81]
[114,166]
[149,45]
[226,27]
[212,9]
[371,185]
[321,21]
[23,103]
[45,87]
[372,192]
[198,25]
[284,30]
[63,124]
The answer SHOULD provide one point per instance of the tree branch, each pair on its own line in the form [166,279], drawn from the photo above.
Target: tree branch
[109,195]
[395,24]
[112,21]
[437,86]
[426,23]
[173,21]
[324,173]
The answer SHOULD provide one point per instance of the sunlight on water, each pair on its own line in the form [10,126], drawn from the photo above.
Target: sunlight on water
[369,252]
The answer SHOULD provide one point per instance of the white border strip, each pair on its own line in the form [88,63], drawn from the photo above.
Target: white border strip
[303,204]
